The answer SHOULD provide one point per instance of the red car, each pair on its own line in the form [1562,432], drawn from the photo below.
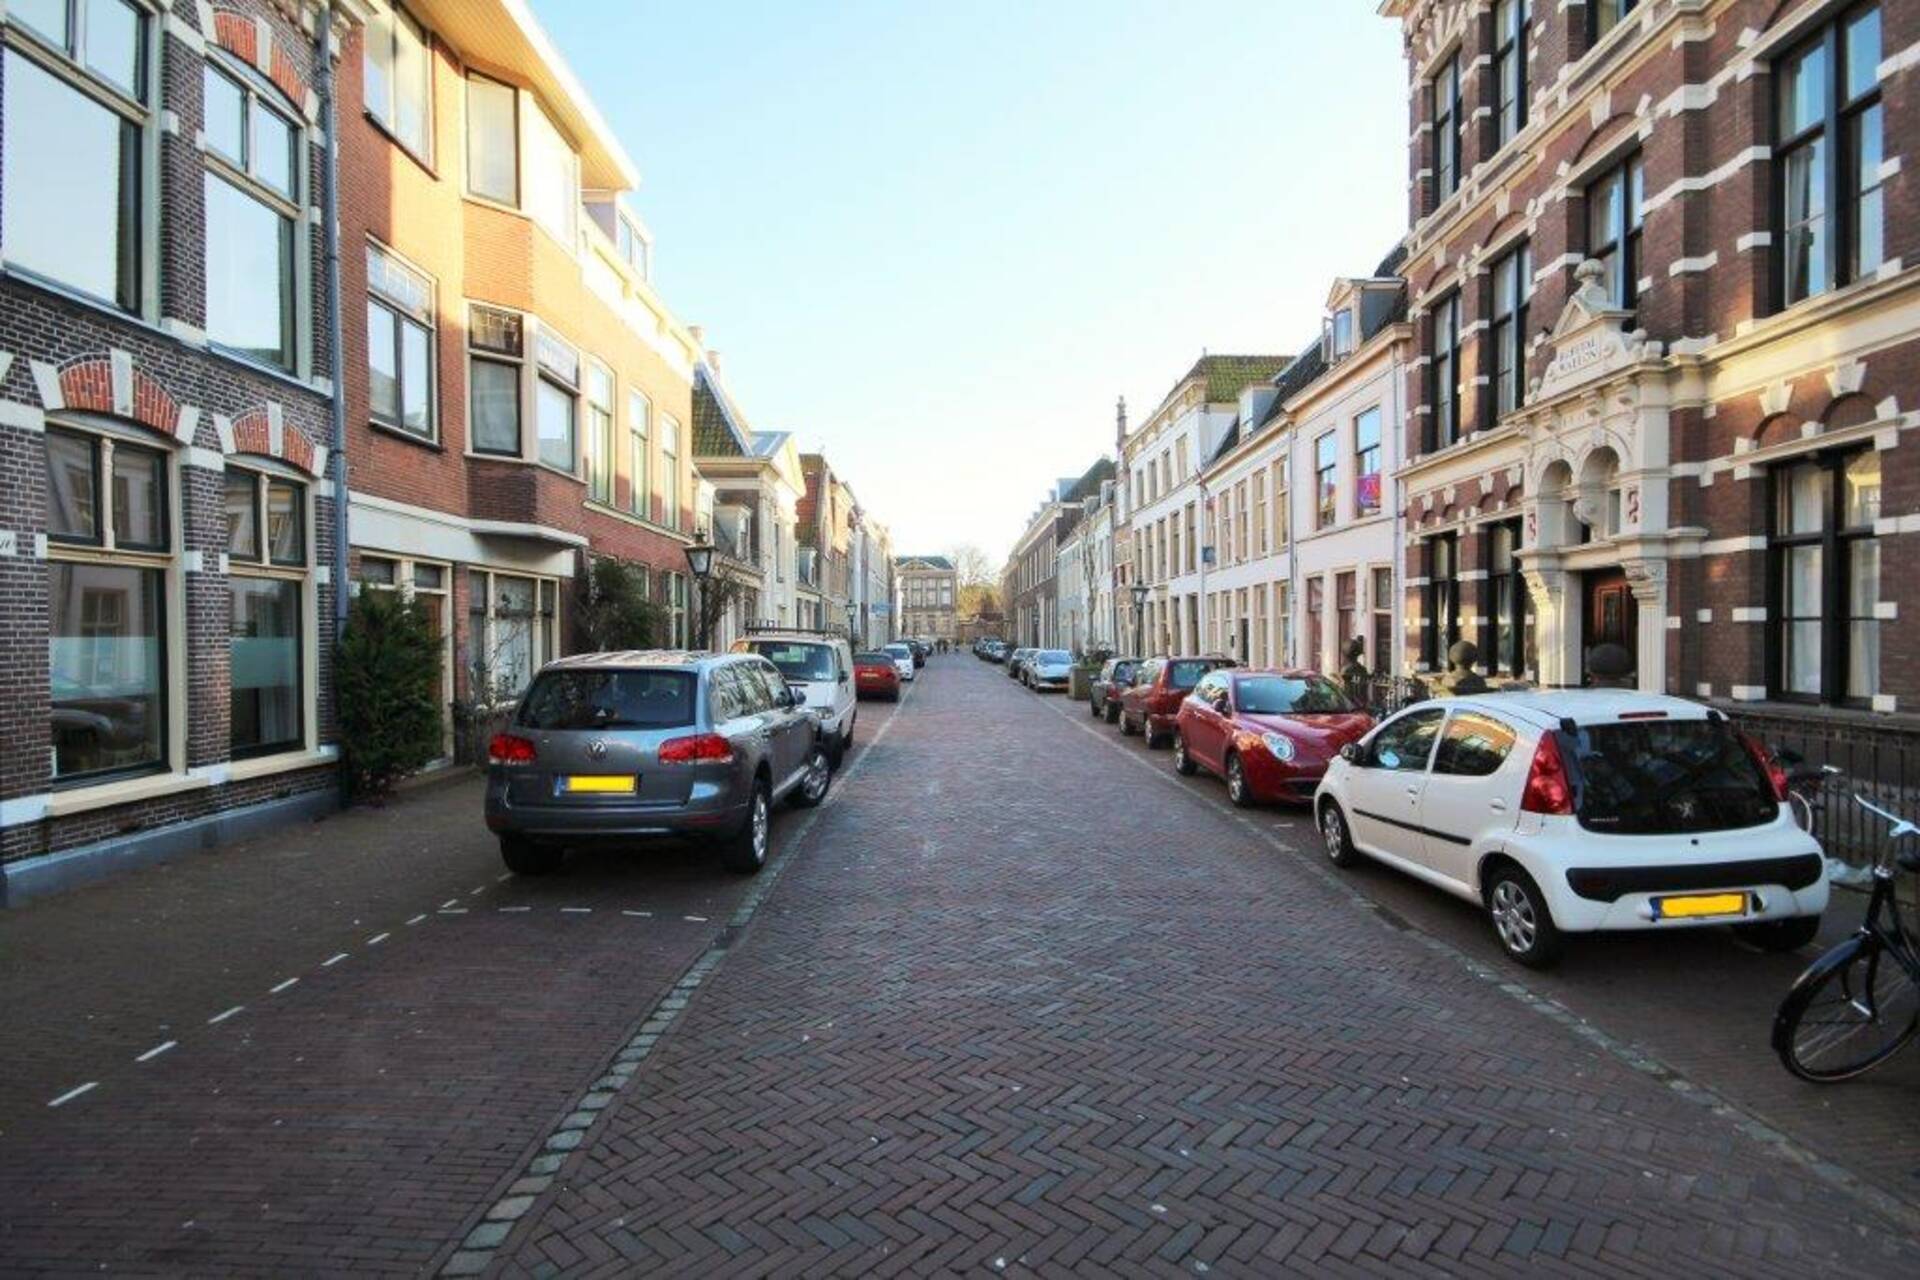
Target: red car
[1270,734]
[875,676]
[1159,686]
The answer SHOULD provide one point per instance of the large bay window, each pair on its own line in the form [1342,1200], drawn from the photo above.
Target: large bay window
[252,204]
[552,178]
[1512,290]
[496,341]
[1615,217]
[556,400]
[400,345]
[493,139]
[512,631]
[1443,374]
[267,572]
[109,539]
[71,154]
[600,446]
[1828,157]
[1824,584]
[399,79]
[518,156]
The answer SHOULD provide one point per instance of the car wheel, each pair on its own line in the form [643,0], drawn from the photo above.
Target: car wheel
[1112,710]
[1520,917]
[1237,789]
[1155,741]
[1779,935]
[745,851]
[1333,831]
[525,858]
[1126,726]
[815,781]
[1182,762]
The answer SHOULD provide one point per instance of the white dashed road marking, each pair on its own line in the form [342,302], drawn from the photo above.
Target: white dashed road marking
[450,902]
[643,914]
[696,919]
[417,919]
[516,908]
[71,1094]
[377,939]
[331,961]
[218,1018]
[575,911]
[278,988]
[156,1051]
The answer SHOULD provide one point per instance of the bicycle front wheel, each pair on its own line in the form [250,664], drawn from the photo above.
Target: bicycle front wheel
[1852,1010]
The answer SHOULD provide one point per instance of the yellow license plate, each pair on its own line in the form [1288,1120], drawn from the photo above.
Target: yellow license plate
[1704,904]
[598,784]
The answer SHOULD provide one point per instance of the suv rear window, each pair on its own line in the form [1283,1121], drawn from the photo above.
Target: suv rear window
[1666,777]
[609,700]
[797,660]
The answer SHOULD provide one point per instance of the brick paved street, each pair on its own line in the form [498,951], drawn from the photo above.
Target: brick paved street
[1019,1000]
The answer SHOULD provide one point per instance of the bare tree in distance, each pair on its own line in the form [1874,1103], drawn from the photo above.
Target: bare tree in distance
[972,565]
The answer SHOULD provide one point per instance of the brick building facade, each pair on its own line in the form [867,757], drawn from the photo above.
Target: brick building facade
[166,522]
[1664,274]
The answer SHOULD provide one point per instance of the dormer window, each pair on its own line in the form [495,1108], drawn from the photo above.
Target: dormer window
[1342,332]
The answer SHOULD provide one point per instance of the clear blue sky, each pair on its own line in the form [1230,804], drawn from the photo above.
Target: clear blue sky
[937,240]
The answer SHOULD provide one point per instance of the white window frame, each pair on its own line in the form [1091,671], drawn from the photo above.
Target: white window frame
[264,472]
[385,24]
[404,313]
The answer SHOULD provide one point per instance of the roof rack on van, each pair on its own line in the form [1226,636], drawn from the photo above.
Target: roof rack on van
[762,625]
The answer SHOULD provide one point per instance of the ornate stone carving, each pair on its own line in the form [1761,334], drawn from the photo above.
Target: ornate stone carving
[1589,339]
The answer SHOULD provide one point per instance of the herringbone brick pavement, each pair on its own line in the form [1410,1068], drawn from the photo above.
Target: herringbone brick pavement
[1018,1006]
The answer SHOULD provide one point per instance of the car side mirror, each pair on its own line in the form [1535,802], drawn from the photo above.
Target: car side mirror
[1352,754]
[786,698]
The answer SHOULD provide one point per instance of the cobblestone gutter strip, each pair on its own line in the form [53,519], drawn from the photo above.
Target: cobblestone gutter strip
[481,1244]
[1889,1206]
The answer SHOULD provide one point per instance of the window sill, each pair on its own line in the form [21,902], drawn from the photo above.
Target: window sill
[281,762]
[380,127]
[128,791]
[401,433]
[261,367]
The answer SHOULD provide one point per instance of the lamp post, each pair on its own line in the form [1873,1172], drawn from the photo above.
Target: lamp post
[853,621]
[700,564]
[1140,590]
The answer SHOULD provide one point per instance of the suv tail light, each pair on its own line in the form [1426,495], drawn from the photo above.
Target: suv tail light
[1776,773]
[510,748]
[1547,789]
[699,748]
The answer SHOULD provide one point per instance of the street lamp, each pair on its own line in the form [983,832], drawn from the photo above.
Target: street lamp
[700,564]
[1140,590]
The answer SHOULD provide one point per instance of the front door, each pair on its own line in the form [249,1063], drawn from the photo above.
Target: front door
[1610,615]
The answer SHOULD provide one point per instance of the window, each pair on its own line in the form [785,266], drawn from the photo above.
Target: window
[1346,600]
[1473,746]
[1224,508]
[600,451]
[1828,157]
[511,631]
[1193,536]
[1446,128]
[639,476]
[1316,634]
[1383,646]
[71,151]
[1405,744]
[1512,604]
[496,341]
[1604,15]
[1260,513]
[556,400]
[1366,462]
[252,202]
[1512,289]
[553,178]
[107,612]
[493,140]
[633,247]
[1242,543]
[1341,332]
[1614,220]
[1325,493]
[1441,625]
[1826,579]
[400,345]
[670,470]
[1511,19]
[1280,515]
[399,79]
[1282,610]
[1443,372]
[677,609]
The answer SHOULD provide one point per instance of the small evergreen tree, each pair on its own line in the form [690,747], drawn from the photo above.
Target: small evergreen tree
[617,612]
[387,683]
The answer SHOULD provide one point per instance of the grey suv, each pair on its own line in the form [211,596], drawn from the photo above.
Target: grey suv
[618,746]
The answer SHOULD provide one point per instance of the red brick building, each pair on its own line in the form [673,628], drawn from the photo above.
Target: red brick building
[1664,267]
[166,516]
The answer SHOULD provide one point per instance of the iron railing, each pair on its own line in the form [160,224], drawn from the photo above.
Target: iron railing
[1880,763]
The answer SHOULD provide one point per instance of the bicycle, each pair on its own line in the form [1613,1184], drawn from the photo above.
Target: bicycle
[1858,1004]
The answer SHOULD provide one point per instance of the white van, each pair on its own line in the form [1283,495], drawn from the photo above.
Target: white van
[817,665]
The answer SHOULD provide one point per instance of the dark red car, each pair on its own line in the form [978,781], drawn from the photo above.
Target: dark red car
[1270,734]
[1159,686]
[875,676]
[1115,675]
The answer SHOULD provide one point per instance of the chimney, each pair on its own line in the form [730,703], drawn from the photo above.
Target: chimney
[1120,425]
[713,360]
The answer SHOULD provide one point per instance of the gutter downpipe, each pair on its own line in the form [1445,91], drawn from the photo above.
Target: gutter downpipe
[336,358]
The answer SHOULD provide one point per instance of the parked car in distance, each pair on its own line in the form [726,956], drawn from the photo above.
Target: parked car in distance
[1115,674]
[920,651]
[902,654]
[1048,669]
[995,651]
[1269,734]
[1150,704]
[876,676]
[1017,662]
[819,667]
[1573,811]
[620,747]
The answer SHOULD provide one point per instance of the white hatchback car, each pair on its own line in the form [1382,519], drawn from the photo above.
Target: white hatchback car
[1569,811]
[818,666]
[902,655]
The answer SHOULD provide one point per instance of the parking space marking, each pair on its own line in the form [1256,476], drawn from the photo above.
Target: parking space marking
[331,961]
[417,919]
[514,908]
[156,1051]
[450,911]
[450,902]
[642,914]
[71,1094]
[575,911]
[696,919]
[219,1018]
[279,987]
[377,939]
